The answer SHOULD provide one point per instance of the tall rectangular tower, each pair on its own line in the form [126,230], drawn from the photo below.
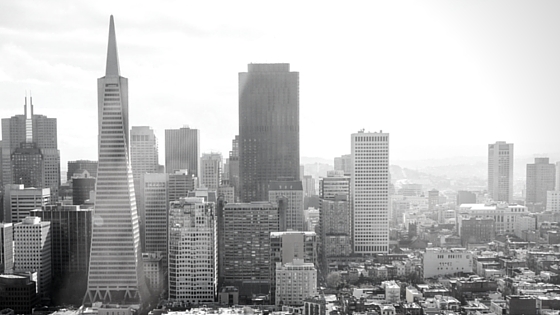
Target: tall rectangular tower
[115,268]
[182,150]
[370,192]
[268,128]
[211,170]
[500,171]
[541,177]
[143,151]
[292,193]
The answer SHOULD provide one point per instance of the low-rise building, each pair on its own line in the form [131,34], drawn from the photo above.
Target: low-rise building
[295,282]
[439,262]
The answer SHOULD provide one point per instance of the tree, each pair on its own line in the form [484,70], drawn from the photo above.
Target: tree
[333,279]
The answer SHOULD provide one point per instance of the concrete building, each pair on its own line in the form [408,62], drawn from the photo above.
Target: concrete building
[541,177]
[228,192]
[192,251]
[18,201]
[553,201]
[370,192]
[82,187]
[211,168]
[115,269]
[144,156]
[153,270]
[336,183]
[182,150]
[232,168]
[335,227]
[292,191]
[392,291]
[6,248]
[19,292]
[500,171]
[446,261]
[38,132]
[152,212]
[179,184]
[308,186]
[476,230]
[343,163]
[245,260]
[504,215]
[268,128]
[524,223]
[71,231]
[32,251]
[28,167]
[433,199]
[295,282]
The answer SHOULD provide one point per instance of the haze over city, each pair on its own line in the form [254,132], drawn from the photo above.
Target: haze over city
[444,78]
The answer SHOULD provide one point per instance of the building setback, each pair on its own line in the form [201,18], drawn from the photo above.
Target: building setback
[370,192]
[268,128]
[115,268]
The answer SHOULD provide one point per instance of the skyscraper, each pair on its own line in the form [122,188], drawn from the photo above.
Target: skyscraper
[182,150]
[143,151]
[292,191]
[370,192]
[541,177]
[115,268]
[6,248]
[152,210]
[211,170]
[500,171]
[18,201]
[26,132]
[268,128]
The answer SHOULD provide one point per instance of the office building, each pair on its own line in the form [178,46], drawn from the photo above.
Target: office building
[154,271]
[70,248]
[233,167]
[211,170]
[228,192]
[370,192]
[553,201]
[77,166]
[179,184]
[295,282]
[268,128]
[246,242]
[336,183]
[541,177]
[433,199]
[143,151]
[83,185]
[28,166]
[192,251]
[504,215]
[18,201]
[500,171]
[308,186]
[335,228]
[182,150]
[32,251]
[442,261]
[152,211]
[343,163]
[6,248]
[292,191]
[115,268]
[19,293]
[26,129]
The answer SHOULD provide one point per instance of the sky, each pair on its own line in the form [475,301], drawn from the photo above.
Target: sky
[444,78]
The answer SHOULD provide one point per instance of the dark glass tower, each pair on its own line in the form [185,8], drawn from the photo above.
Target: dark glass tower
[268,128]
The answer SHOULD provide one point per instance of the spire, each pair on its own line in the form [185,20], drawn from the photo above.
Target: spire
[112,55]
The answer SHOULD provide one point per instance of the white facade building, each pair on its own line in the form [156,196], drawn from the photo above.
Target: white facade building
[443,261]
[370,192]
[500,171]
[18,201]
[504,215]
[553,200]
[295,282]
[32,251]
[211,170]
[392,291]
[192,251]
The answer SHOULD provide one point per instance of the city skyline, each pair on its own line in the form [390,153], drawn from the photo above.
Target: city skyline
[473,64]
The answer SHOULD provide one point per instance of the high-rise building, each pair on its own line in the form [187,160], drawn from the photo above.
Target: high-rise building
[308,186]
[557,182]
[82,187]
[6,248]
[541,177]
[343,163]
[31,128]
[370,192]
[152,211]
[292,191]
[115,268]
[336,183]
[268,128]
[19,292]
[233,167]
[433,199]
[32,251]
[245,260]
[70,248]
[143,151]
[77,166]
[192,251]
[500,171]
[295,282]
[18,201]
[179,184]
[182,150]
[211,170]
[28,166]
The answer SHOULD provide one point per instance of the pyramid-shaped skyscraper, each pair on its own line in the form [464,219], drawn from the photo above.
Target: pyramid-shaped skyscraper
[115,269]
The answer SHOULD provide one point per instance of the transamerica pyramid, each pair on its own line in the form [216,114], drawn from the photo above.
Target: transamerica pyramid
[115,268]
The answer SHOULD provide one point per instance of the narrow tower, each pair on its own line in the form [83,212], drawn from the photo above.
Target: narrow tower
[115,269]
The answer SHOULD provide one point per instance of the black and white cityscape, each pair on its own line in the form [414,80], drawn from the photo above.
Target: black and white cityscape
[115,217]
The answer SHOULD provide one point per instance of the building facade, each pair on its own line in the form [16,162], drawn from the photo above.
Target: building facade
[441,261]
[370,192]
[144,156]
[295,282]
[19,201]
[504,215]
[211,168]
[343,163]
[292,191]
[115,268]
[268,128]
[182,150]
[541,177]
[500,171]
[152,211]
[6,248]
[192,251]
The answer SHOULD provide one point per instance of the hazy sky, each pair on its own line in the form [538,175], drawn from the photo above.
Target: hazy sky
[444,78]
